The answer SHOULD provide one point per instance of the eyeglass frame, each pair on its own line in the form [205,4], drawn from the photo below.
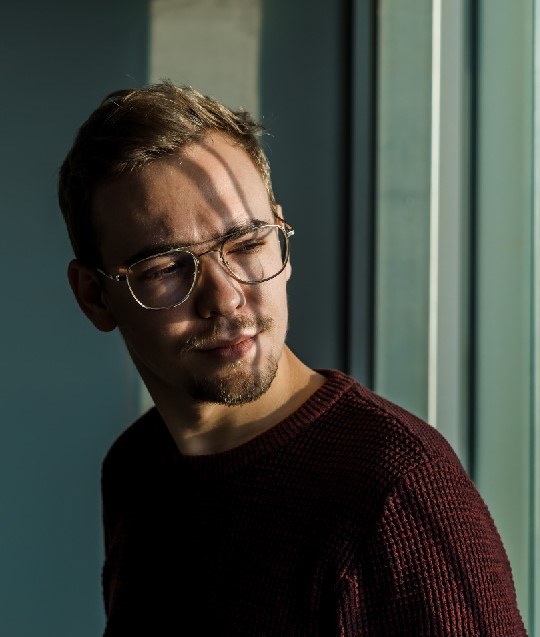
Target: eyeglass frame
[285,227]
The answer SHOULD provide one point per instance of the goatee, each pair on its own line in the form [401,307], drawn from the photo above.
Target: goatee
[236,385]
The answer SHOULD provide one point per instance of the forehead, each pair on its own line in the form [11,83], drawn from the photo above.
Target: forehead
[186,198]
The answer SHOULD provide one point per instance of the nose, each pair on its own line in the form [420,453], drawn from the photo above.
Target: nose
[216,292]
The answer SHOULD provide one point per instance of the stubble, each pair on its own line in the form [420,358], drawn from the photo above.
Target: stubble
[236,385]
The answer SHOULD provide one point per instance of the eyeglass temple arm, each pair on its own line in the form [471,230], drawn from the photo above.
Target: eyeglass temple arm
[114,277]
[289,230]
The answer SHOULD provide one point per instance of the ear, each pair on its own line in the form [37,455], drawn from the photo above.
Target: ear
[88,290]
[288,267]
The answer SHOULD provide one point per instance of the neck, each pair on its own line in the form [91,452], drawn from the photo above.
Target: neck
[200,428]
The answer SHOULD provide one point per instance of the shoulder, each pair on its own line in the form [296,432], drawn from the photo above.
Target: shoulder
[373,432]
[136,445]
[418,534]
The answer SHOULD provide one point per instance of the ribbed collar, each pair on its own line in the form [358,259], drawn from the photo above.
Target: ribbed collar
[228,462]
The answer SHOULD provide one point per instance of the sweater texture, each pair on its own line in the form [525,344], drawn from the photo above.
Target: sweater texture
[350,517]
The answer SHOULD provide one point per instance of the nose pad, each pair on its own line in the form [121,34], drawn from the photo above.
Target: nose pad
[217,292]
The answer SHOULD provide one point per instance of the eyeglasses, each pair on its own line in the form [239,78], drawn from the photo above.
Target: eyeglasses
[165,280]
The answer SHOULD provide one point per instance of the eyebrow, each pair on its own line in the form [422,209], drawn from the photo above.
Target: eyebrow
[159,248]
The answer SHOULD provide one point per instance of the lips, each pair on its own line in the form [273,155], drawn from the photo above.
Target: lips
[224,343]
[230,349]
[226,333]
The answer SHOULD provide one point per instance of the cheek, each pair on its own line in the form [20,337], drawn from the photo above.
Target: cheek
[272,300]
[151,331]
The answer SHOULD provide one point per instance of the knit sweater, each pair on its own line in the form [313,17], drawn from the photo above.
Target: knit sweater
[350,517]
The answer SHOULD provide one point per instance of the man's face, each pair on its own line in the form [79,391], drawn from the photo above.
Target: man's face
[224,343]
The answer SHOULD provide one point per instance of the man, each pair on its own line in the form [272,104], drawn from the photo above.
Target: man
[258,497]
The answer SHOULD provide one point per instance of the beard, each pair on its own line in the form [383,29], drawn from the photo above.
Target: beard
[236,385]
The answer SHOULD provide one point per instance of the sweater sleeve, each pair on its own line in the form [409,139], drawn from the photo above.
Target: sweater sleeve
[434,565]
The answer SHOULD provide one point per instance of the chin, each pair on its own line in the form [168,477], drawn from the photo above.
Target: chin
[237,387]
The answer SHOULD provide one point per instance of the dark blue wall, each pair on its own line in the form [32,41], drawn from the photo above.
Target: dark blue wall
[302,102]
[317,101]
[65,388]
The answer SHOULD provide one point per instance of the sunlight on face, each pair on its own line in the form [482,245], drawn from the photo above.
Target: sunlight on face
[223,344]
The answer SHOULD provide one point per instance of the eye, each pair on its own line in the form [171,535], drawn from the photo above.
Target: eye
[163,269]
[245,247]
[156,274]
[249,243]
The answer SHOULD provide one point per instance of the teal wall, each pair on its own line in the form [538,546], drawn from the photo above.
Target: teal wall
[317,101]
[403,203]
[302,105]
[65,388]
[504,279]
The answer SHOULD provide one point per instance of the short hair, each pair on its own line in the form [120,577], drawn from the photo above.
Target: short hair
[134,127]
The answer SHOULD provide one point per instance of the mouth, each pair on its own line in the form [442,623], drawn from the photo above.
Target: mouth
[230,349]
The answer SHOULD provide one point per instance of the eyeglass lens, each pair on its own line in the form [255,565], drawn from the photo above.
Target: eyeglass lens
[251,257]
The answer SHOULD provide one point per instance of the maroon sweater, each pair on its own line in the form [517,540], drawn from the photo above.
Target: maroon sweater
[351,517]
